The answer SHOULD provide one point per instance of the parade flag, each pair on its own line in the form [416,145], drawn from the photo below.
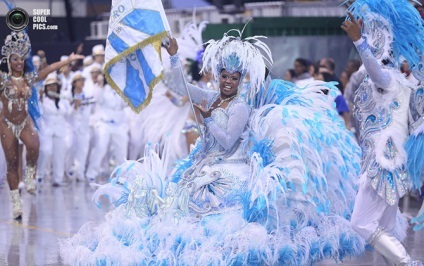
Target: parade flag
[133,61]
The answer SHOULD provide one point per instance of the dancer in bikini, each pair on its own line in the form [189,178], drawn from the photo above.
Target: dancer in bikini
[19,99]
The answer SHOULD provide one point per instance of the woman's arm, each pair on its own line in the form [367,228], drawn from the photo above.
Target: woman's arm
[179,84]
[55,66]
[380,77]
[238,118]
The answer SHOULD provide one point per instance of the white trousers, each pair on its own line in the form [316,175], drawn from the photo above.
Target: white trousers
[372,211]
[117,136]
[52,146]
[69,142]
[81,150]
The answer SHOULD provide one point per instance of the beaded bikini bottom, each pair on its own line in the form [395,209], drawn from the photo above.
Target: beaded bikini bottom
[16,129]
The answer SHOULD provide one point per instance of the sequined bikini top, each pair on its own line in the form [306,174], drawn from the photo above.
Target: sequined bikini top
[16,97]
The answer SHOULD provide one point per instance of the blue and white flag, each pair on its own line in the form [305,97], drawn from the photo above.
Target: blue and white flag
[133,62]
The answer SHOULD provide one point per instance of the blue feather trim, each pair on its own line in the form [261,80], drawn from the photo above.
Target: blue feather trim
[414,147]
[182,165]
[264,149]
[406,23]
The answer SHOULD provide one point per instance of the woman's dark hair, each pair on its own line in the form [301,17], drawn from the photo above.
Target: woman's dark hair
[56,99]
[104,79]
[292,73]
[327,76]
[305,63]
[73,88]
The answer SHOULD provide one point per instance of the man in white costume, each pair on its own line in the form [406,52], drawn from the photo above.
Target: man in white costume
[52,135]
[111,127]
[382,106]
[82,110]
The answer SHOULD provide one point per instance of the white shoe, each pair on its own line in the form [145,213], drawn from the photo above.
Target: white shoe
[30,179]
[16,204]
[393,251]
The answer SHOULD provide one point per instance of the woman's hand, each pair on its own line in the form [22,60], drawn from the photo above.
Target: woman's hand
[203,109]
[41,53]
[172,47]
[77,104]
[74,56]
[352,27]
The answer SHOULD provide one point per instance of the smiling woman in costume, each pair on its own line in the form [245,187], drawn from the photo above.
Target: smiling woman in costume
[272,183]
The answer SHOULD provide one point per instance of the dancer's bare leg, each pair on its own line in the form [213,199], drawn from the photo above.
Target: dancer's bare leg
[10,147]
[20,160]
[29,137]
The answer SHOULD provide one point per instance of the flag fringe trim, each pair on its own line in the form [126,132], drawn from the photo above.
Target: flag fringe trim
[132,49]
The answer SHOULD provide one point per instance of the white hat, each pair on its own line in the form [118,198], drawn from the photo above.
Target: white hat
[78,75]
[95,67]
[88,60]
[64,58]
[98,50]
[51,79]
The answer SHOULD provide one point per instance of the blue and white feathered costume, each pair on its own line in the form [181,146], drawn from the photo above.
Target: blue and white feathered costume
[272,184]
[392,31]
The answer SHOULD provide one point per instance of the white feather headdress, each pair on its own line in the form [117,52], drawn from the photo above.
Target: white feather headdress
[236,55]
[190,43]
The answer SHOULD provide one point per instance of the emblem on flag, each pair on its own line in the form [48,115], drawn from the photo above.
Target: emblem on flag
[133,60]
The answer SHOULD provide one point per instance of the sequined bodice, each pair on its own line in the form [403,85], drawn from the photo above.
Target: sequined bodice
[220,116]
[17,98]
[18,92]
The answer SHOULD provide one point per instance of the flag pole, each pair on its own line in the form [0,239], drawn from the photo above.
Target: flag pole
[199,129]
[202,139]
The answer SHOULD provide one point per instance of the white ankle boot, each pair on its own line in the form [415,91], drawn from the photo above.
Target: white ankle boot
[30,179]
[16,204]
[393,251]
